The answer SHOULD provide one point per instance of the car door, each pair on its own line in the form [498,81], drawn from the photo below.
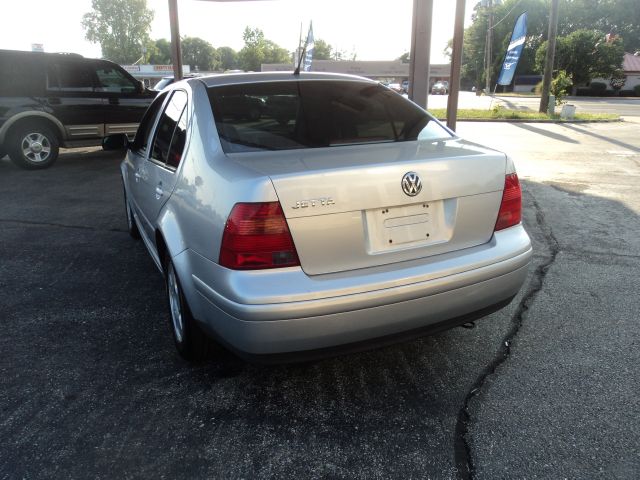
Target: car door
[157,175]
[137,156]
[125,99]
[71,96]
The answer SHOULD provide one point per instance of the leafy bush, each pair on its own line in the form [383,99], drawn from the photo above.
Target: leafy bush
[636,90]
[598,88]
[618,79]
[561,86]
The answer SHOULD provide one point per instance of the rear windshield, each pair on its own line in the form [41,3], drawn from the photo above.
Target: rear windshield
[316,113]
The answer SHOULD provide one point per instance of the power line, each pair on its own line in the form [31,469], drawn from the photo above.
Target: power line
[503,18]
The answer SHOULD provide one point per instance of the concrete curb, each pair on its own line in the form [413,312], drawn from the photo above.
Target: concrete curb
[525,120]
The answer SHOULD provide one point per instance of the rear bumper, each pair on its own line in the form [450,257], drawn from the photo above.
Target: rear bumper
[276,312]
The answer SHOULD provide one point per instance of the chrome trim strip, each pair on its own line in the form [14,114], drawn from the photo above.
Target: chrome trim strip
[128,128]
[75,131]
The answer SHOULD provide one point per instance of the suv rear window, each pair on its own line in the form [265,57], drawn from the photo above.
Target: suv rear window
[20,75]
[316,113]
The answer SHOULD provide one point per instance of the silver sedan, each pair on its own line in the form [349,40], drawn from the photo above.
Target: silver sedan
[339,217]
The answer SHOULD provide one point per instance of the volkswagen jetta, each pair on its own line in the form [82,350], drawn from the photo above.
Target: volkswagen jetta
[344,216]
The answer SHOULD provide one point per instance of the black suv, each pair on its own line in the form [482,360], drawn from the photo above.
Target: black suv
[49,100]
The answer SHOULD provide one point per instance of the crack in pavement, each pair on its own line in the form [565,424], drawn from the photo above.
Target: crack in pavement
[462,449]
[61,225]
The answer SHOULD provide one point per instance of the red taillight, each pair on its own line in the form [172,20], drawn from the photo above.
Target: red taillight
[510,212]
[257,236]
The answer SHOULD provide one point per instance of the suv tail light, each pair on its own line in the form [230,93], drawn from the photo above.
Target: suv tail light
[257,236]
[510,212]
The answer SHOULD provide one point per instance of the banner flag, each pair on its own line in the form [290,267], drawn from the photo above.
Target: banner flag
[514,50]
[308,56]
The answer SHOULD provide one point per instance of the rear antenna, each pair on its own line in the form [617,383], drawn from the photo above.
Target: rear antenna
[302,54]
[304,49]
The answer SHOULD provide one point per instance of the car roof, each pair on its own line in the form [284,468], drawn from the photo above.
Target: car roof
[255,77]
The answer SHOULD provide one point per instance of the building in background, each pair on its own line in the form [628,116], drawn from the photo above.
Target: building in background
[387,71]
[152,74]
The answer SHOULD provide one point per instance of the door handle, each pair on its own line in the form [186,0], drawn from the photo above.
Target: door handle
[159,192]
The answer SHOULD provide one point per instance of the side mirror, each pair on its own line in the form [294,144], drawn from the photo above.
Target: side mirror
[140,87]
[118,141]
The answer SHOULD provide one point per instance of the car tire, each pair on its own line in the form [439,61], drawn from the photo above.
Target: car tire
[33,146]
[132,227]
[191,342]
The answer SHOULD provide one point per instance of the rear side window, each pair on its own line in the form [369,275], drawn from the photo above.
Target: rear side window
[110,79]
[70,76]
[21,75]
[143,134]
[316,113]
[170,133]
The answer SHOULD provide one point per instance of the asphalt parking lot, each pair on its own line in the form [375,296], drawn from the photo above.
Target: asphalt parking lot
[546,388]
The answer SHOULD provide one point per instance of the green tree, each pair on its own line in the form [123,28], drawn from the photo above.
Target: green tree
[404,58]
[159,52]
[619,17]
[322,50]
[228,58]
[258,50]
[584,54]
[121,27]
[199,53]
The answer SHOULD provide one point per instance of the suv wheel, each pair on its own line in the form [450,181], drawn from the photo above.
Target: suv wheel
[33,146]
[191,342]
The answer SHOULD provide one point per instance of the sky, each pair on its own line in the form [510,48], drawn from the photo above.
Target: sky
[373,29]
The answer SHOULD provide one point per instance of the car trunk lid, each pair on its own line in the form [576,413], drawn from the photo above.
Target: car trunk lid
[346,207]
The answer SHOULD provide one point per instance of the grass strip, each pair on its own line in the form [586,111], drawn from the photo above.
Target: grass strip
[504,114]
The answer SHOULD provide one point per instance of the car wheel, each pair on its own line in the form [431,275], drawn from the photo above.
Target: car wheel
[191,342]
[33,146]
[131,223]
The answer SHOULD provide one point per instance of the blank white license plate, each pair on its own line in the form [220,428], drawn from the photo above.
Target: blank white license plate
[391,228]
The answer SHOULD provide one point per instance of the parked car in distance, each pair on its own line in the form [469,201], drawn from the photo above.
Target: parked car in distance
[52,100]
[440,88]
[356,221]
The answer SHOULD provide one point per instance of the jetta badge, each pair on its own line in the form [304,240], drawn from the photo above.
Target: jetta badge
[411,184]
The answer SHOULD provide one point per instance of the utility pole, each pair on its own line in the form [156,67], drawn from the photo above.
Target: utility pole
[548,60]
[176,51]
[488,47]
[456,61]
[420,50]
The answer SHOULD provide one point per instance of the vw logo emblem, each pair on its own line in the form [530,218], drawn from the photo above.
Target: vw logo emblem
[411,184]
